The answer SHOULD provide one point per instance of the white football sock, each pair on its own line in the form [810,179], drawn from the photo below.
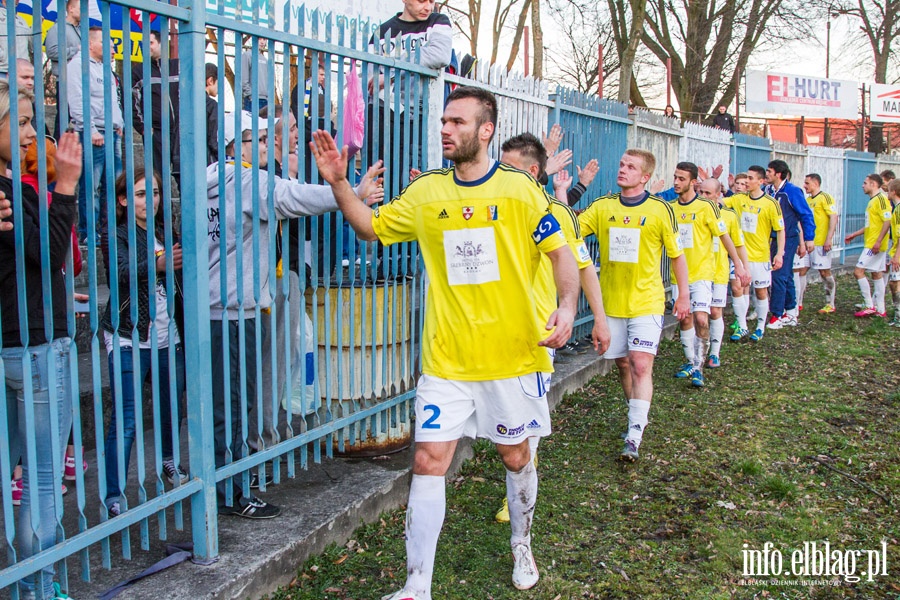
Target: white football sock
[687,343]
[638,411]
[716,333]
[800,285]
[521,496]
[741,306]
[878,296]
[830,289]
[762,313]
[424,519]
[701,349]
[866,291]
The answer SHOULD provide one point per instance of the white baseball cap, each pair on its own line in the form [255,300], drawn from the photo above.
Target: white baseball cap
[247,121]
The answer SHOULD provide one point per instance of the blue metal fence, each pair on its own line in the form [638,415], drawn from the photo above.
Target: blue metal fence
[749,150]
[857,165]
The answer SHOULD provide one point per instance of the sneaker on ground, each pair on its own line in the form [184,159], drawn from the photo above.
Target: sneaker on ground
[866,312]
[502,515]
[799,307]
[827,309]
[402,595]
[69,471]
[525,574]
[254,481]
[697,379]
[253,509]
[895,322]
[774,323]
[883,315]
[174,472]
[757,335]
[630,451]
[64,489]
[684,371]
[58,594]
[735,326]
[859,305]
[17,492]
[713,362]
[788,320]
[114,509]
[345,263]
[739,335]
[752,316]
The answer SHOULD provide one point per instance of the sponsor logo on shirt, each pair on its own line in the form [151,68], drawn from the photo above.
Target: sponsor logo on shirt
[492,212]
[534,424]
[639,343]
[612,219]
[643,221]
[443,214]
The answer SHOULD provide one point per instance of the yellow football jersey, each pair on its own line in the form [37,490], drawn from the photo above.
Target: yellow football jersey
[877,212]
[631,241]
[759,218]
[481,242]
[733,228]
[699,223]
[823,206]
[734,202]
[544,283]
[895,226]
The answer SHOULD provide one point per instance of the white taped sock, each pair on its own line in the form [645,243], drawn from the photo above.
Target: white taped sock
[716,333]
[762,313]
[878,296]
[424,519]
[638,412]
[687,343]
[741,306]
[866,291]
[521,496]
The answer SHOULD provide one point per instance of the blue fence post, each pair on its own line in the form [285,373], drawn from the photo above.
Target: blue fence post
[192,68]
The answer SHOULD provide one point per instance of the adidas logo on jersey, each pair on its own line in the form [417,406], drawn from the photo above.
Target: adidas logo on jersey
[443,215]
[612,219]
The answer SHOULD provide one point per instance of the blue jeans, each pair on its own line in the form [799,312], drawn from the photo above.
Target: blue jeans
[784,296]
[50,366]
[98,194]
[129,376]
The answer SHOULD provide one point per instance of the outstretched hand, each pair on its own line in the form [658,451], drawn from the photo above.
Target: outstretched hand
[562,181]
[331,162]
[588,172]
[5,211]
[371,186]
[552,141]
[558,162]
[657,186]
[68,163]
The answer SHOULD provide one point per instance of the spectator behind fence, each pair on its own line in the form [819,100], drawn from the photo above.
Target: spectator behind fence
[669,111]
[48,358]
[73,47]
[137,209]
[254,68]
[152,124]
[30,176]
[91,127]
[291,200]
[723,120]
[212,114]
[24,44]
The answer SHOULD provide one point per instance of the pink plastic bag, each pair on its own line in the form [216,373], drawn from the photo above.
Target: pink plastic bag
[354,112]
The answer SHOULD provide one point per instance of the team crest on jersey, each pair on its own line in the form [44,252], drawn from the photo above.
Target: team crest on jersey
[683,216]
[626,220]
[468,211]
[492,212]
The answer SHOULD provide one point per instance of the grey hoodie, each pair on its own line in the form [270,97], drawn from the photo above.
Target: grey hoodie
[292,200]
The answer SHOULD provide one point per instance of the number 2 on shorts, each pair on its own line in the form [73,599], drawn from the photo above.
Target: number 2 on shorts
[430,421]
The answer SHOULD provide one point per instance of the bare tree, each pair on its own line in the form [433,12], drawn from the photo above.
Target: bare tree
[627,38]
[880,26]
[466,16]
[537,34]
[582,27]
[517,37]
[467,21]
[711,41]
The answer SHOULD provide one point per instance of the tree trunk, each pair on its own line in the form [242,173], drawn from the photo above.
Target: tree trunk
[638,10]
[538,37]
[517,40]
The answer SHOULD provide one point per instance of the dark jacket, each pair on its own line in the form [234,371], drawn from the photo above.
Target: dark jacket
[61,216]
[212,130]
[795,210]
[724,121]
[137,92]
[123,270]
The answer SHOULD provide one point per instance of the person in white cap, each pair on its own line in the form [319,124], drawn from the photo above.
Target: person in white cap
[238,203]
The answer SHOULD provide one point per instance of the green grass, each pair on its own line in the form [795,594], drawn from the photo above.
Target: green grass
[720,468]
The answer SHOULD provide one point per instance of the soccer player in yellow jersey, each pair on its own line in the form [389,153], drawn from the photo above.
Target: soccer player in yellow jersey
[482,228]
[699,223]
[760,215]
[526,153]
[872,259]
[826,217]
[894,276]
[633,228]
[711,189]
